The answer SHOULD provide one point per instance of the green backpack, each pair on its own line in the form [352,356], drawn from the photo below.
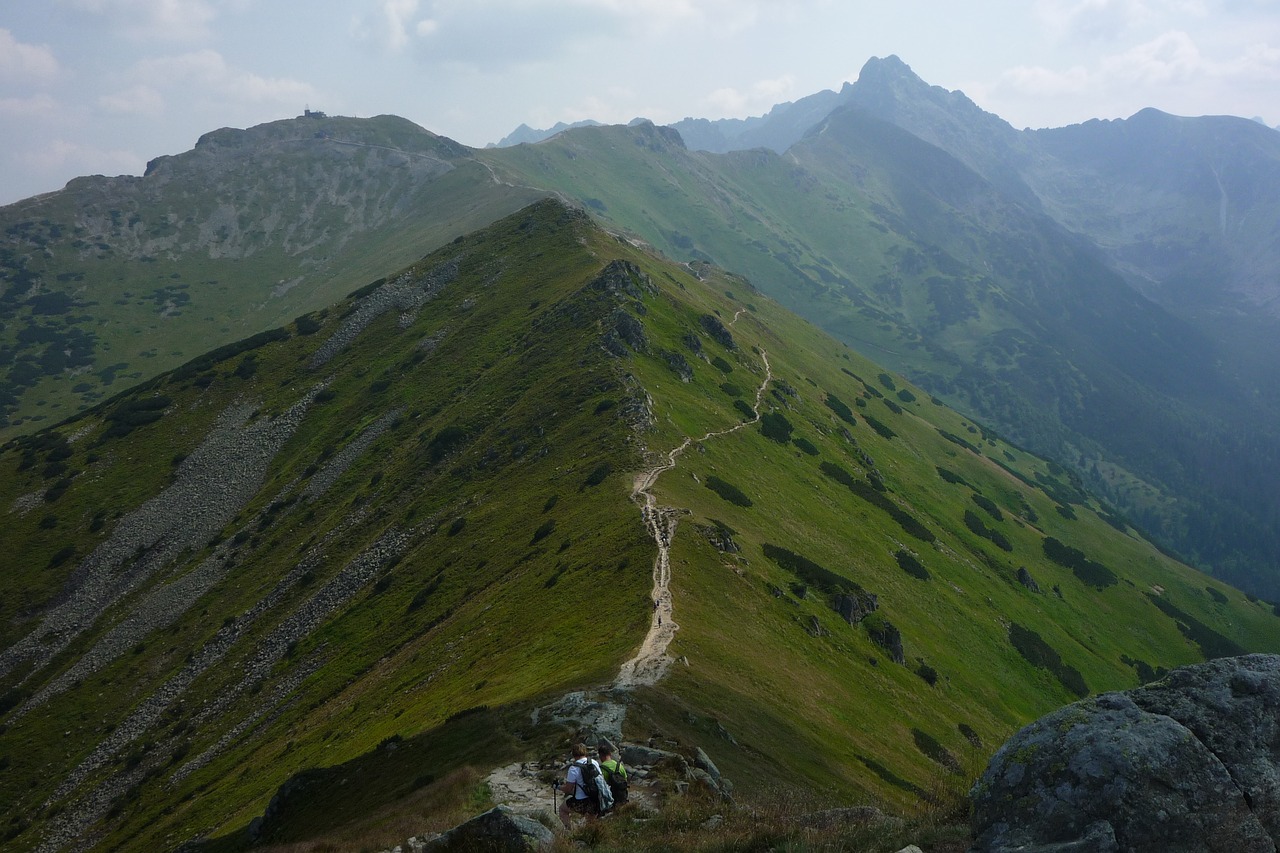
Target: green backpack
[616,776]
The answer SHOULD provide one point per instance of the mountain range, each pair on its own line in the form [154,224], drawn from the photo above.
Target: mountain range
[357,554]
[345,464]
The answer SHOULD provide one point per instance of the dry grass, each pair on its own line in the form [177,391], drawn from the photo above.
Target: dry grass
[707,824]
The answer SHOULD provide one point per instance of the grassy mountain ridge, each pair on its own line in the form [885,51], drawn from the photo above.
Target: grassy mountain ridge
[901,250]
[125,277]
[401,518]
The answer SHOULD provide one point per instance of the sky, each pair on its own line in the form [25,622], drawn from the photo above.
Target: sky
[102,86]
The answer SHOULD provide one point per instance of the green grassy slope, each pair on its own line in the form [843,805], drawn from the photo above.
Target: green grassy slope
[113,280]
[898,249]
[307,550]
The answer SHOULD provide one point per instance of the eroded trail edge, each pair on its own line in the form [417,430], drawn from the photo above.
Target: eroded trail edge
[652,661]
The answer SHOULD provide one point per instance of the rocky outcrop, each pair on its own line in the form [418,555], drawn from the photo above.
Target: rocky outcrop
[623,278]
[678,363]
[712,326]
[856,606]
[1190,763]
[625,331]
[499,830]
[1024,578]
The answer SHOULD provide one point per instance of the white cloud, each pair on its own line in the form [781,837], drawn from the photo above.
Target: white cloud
[138,100]
[209,71]
[1169,58]
[21,62]
[759,98]
[398,15]
[61,156]
[35,106]
[178,20]
[500,34]
[1037,80]
[1101,20]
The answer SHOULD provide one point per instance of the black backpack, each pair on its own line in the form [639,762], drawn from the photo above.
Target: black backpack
[593,785]
[618,784]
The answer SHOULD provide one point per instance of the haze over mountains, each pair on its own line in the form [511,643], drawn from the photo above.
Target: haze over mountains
[327,440]
[292,584]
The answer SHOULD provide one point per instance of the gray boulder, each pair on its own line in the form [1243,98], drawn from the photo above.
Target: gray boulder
[499,830]
[1191,763]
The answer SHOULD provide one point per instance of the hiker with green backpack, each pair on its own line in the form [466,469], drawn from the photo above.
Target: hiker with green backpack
[615,775]
[586,792]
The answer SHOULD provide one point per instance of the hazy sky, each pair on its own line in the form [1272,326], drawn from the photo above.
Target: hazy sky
[101,86]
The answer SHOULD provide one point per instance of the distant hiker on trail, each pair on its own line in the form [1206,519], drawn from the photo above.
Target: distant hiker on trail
[614,773]
[581,786]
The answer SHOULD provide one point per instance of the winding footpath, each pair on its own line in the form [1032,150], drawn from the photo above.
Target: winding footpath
[521,786]
[652,661]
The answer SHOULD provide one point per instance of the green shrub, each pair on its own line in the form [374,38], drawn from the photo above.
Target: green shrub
[1216,594]
[728,491]
[1211,643]
[731,389]
[597,475]
[952,477]
[955,439]
[881,429]
[544,530]
[444,442]
[906,396]
[808,571]
[1092,573]
[988,505]
[887,381]
[1041,655]
[805,445]
[929,745]
[748,413]
[909,564]
[842,411]
[721,365]
[869,493]
[975,525]
[774,425]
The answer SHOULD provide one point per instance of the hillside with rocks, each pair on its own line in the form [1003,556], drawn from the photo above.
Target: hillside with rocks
[120,278]
[538,486]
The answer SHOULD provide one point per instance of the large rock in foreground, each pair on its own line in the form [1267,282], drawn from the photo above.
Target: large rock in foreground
[499,830]
[1191,763]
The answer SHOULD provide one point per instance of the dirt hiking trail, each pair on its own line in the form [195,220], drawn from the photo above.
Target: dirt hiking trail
[523,785]
[652,661]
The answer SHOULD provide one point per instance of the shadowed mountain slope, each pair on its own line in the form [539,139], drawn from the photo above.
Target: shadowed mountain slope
[378,538]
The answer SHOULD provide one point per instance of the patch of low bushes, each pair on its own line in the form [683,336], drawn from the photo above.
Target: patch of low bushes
[1088,571]
[1040,654]
[977,527]
[868,492]
[728,491]
[909,564]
